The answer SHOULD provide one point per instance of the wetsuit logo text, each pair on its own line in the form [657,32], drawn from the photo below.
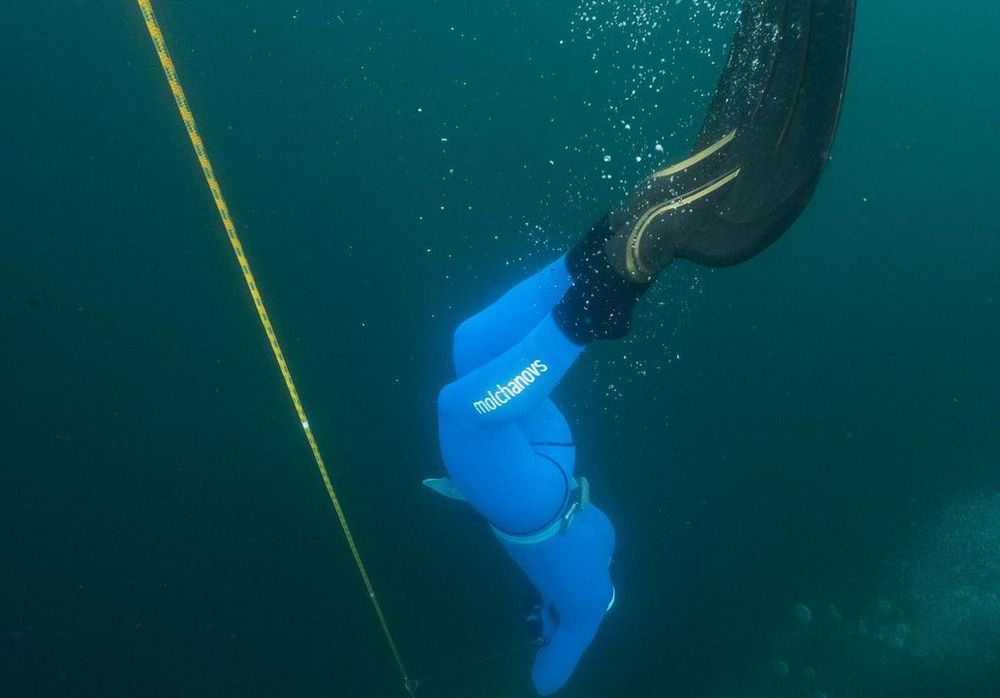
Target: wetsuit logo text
[495,399]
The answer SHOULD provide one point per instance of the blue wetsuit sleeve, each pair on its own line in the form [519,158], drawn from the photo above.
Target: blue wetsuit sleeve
[514,383]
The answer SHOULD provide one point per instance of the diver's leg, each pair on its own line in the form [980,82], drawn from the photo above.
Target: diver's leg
[520,491]
[502,477]
[500,326]
[486,419]
[571,571]
[512,385]
[507,450]
[523,490]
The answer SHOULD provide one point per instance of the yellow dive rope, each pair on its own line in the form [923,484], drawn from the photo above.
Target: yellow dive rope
[220,203]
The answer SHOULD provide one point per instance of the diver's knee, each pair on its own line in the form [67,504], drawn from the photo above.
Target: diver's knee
[464,343]
[448,402]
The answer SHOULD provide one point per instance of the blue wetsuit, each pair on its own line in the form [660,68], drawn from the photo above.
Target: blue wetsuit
[509,451]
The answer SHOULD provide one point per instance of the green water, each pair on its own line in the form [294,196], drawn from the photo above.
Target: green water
[808,428]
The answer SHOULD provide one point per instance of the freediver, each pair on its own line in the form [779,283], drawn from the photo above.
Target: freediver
[506,446]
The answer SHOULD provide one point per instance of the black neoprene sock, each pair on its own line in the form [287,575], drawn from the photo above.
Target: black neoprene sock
[600,302]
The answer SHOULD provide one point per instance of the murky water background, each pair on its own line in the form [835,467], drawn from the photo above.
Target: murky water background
[801,455]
